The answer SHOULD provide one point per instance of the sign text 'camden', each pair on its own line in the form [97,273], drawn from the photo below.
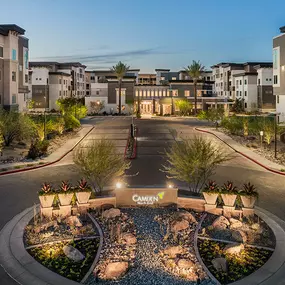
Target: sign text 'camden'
[147,199]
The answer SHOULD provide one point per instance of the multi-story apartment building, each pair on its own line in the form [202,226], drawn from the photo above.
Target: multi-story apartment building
[14,67]
[152,93]
[279,73]
[52,80]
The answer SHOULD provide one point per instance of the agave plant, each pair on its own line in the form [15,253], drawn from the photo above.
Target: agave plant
[82,184]
[249,190]
[65,186]
[46,187]
[211,187]
[229,188]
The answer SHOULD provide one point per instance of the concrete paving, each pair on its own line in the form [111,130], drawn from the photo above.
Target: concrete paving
[19,191]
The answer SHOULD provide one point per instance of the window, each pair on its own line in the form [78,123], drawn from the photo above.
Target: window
[26,59]
[40,79]
[270,79]
[47,80]
[59,93]
[237,83]
[97,92]
[240,82]
[240,93]
[59,80]
[36,78]
[174,92]
[237,93]
[275,58]
[245,82]
[92,77]
[1,51]
[277,99]
[173,78]
[245,105]
[87,93]
[187,93]
[20,67]
[275,79]
[13,75]
[221,93]
[26,78]
[14,101]
[245,93]
[63,81]
[14,54]
[87,86]
[266,79]
[258,81]
[162,78]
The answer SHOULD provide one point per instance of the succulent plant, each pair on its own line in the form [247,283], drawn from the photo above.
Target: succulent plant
[46,187]
[65,186]
[211,187]
[82,184]
[249,190]
[229,188]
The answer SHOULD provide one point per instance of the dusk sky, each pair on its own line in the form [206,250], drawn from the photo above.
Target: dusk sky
[147,34]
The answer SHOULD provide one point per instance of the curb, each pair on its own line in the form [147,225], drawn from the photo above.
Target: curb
[48,163]
[241,153]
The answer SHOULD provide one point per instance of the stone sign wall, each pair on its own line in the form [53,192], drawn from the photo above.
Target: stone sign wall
[146,196]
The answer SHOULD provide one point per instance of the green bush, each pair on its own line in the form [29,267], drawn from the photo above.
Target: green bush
[233,124]
[71,122]
[38,149]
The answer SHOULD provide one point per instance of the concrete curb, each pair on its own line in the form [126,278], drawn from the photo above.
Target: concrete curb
[241,153]
[198,254]
[49,163]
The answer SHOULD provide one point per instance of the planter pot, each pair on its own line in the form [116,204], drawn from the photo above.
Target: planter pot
[65,199]
[248,201]
[83,197]
[47,200]
[229,199]
[211,198]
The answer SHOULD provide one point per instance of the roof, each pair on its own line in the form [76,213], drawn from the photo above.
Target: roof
[244,74]
[256,63]
[51,63]
[58,73]
[161,69]
[264,65]
[225,64]
[76,64]
[125,77]
[282,29]
[191,81]
[4,29]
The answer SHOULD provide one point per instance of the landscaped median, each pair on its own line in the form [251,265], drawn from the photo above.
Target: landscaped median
[148,242]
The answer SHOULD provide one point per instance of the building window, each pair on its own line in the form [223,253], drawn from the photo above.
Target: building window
[258,81]
[173,78]
[174,92]
[14,101]
[221,93]
[14,54]
[275,79]
[245,82]
[59,92]
[97,92]
[240,93]
[277,99]
[270,79]
[87,86]
[240,82]
[92,77]
[266,79]
[237,93]
[26,59]
[245,93]
[87,93]
[59,80]
[245,105]
[13,75]
[237,83]
[187,93]
[275,58]
[26,78]
[162,78]
[1,51]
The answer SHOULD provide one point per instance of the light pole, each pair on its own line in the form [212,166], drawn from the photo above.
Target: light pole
[261,135]
[45,97]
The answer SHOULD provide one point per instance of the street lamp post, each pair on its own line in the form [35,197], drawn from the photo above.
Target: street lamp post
[261,135]
[275,135]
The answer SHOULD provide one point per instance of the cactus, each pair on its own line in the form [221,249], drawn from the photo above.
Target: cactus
[46,187]
[65,186]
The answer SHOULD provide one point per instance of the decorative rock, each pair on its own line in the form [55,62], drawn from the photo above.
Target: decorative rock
[188,217]
[185,263]
[220,264]
[239,236]
[177,226]
[115,270]
[73,253]
[74,221]
[129,238]
[111,213]
[235,223]
[172,251]
[233,248]
[221,223]
[255,226]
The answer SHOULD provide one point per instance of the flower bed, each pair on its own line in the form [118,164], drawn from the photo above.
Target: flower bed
[238,266]
[54,258]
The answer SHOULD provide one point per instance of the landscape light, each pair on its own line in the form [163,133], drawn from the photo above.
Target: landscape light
[118,185]
[170,186]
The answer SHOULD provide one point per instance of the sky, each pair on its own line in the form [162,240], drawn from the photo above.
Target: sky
[147,34]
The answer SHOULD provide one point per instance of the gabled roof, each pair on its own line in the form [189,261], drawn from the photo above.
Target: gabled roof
[4,29]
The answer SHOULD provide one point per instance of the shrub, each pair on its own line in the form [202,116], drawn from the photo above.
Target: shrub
[38,149]
[249,190]
[71,122]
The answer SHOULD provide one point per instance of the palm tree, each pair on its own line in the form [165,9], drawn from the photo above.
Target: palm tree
[194,70]
[120,69]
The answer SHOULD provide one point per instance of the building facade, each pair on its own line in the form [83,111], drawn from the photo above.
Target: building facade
[279,73]
[14,67]
[51,81]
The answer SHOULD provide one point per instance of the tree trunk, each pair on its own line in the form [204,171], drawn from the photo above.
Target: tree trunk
[120,99]
[195,99]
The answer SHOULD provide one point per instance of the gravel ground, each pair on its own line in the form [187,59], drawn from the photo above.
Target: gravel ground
[148,268]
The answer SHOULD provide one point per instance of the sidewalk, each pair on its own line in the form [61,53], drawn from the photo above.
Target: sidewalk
[53,157]
[246,152]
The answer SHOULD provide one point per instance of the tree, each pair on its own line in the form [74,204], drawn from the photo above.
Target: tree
[185,107]
[238,106]
[99,162]
[194,161]
[120,70]
[97,106]
[194,70]
[268,131]
[15,126]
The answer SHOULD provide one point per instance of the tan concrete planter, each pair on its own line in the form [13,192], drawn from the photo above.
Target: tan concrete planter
[65,199]
[248,201]
[47,200]
[229,199]
[83,197]
[211,198]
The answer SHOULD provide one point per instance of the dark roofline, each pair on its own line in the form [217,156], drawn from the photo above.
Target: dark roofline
[59,73]
[256,62]
[125,77]
[244,74]
[42,63]
[161,69]
[225,64]
[76,64]
[191,81]
[4,29]
[264,65]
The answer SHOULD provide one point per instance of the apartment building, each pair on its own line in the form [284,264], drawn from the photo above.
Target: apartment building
[279,73]
[14,67]
[51,81]
[152,93]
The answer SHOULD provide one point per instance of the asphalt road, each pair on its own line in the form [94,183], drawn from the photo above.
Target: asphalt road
[19,191]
